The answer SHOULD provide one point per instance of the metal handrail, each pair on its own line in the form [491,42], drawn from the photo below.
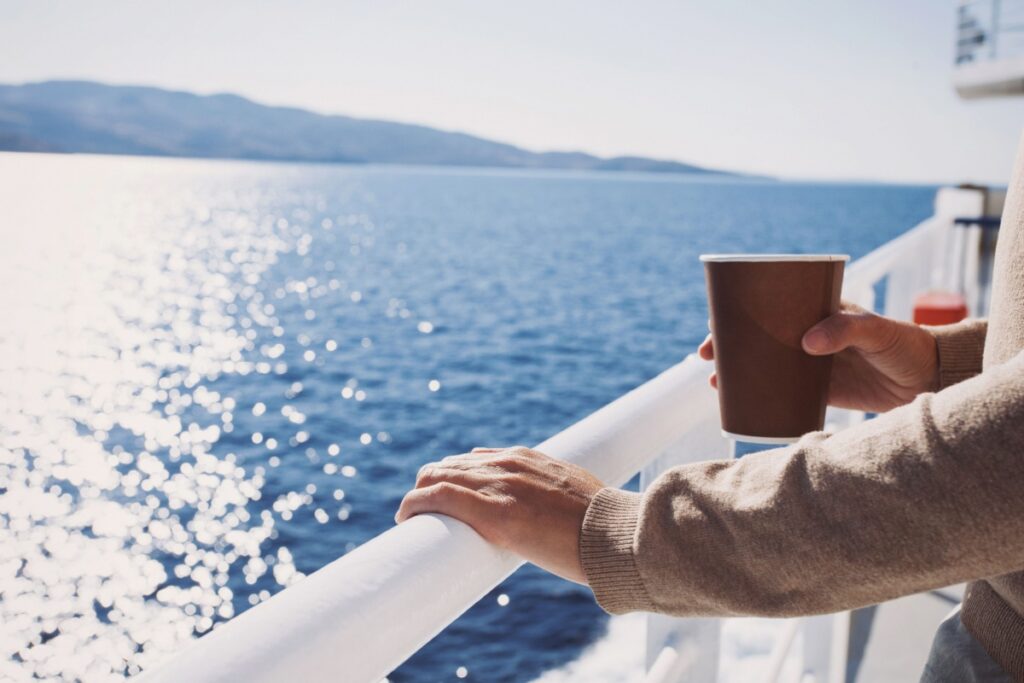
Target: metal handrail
[980,26]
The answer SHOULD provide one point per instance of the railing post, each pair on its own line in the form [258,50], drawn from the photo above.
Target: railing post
[955,250]
[993,34]
[694,642]
[826,643]
[972,266]
[908,278]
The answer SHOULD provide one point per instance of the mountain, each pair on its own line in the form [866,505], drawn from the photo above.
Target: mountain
[82,116]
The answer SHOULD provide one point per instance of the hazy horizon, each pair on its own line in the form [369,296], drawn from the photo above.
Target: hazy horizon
[797,90]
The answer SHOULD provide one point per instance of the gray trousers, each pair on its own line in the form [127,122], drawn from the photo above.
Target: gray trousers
[956,657]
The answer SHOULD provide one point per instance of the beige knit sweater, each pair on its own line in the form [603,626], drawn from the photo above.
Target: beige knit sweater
[926,495]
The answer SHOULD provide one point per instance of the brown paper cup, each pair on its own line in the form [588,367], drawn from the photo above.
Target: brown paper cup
[769,389]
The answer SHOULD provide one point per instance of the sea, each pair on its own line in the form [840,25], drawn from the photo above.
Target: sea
[218,376]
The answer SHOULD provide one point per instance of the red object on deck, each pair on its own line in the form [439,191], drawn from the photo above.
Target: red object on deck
[939,308]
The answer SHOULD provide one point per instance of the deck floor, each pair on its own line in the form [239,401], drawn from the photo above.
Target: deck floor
[900,636]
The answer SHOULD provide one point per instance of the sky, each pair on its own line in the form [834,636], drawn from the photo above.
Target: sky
[809,89]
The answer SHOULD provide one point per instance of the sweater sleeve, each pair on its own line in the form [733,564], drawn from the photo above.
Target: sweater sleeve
[925,495]
[960,349]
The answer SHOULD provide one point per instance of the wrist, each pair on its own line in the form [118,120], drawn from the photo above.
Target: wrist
[931,345]
[958,351]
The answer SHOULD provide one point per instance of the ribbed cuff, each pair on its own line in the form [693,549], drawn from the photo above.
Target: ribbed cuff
[995,625]
[960,348]
[606,551]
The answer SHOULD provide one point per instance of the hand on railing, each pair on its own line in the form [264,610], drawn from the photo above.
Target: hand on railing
[516,498]
[880,363]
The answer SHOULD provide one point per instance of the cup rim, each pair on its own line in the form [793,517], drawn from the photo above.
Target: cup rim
[763,440]
[759,258]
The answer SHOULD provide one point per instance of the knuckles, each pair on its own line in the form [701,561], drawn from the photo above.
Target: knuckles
[506,471]
[425,472]
[511,458]
[850,307]
[442,489]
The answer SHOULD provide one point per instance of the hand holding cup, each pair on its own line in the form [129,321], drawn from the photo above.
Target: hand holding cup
[879,364]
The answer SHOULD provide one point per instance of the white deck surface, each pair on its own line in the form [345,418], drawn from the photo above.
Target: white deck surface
[901,636]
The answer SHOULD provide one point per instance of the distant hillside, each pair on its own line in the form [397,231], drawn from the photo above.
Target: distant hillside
[81,116]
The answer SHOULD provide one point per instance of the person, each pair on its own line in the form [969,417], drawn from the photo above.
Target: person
[927,494]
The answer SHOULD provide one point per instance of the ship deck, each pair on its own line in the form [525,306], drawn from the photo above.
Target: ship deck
[889,643]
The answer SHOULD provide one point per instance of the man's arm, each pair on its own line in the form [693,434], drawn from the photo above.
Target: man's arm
[926,495]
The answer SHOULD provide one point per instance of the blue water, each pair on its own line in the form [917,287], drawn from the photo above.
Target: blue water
[403,314]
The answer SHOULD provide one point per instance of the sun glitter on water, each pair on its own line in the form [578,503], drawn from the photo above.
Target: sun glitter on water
[120,528]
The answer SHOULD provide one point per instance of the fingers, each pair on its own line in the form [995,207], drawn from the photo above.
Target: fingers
[481,468]
[850,327]
[482,460]
[707,349]
[476,455]
[480,454]
[468,475]
[443,498]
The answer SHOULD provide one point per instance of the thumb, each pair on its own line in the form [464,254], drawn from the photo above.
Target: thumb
[840,331]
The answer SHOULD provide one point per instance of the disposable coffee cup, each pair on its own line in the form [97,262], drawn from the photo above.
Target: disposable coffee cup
[769,389]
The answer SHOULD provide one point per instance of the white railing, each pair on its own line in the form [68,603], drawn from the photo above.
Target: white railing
[361,616]
[989,30]
[367,612]
[989,48]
